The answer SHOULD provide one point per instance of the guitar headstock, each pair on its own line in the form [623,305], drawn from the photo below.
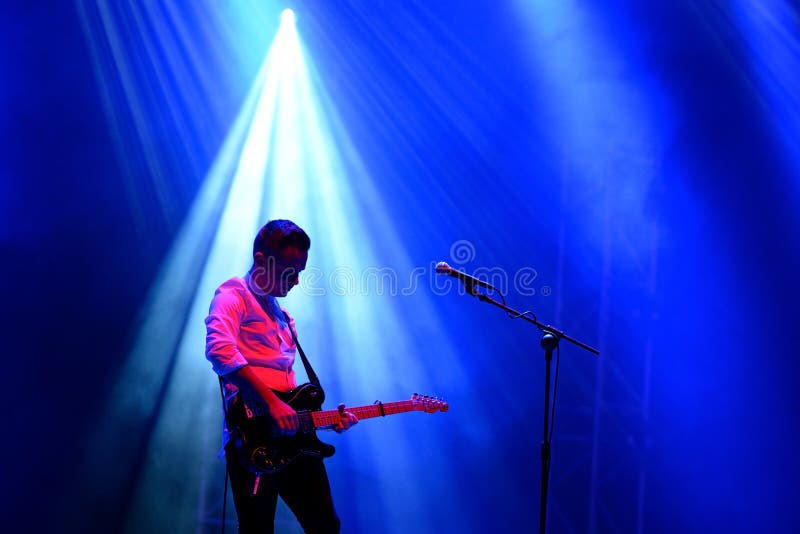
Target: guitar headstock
[427,404]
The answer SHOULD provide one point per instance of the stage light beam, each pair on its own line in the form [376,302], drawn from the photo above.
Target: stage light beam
[288,18]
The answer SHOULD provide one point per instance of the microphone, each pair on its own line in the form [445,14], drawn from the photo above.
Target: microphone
[467,280]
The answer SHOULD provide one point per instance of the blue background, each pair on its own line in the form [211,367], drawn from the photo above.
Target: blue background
[642,158]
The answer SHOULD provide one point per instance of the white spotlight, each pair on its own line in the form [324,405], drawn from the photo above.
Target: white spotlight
[287,17]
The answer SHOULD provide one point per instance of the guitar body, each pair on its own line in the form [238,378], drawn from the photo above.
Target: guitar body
[262,452]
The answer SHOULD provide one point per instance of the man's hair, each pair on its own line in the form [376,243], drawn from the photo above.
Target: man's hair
[277,235]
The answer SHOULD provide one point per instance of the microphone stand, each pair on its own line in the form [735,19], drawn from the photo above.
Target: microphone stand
[550,339]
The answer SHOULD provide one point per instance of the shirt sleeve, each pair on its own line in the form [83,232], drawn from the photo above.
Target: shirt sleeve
[222,332]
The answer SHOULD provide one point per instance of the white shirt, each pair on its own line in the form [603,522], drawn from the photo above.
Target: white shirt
[243,329]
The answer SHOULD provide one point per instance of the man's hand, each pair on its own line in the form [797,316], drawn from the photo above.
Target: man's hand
[284,418]
[346,420]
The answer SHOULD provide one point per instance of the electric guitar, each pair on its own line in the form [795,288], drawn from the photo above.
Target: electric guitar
[263,453]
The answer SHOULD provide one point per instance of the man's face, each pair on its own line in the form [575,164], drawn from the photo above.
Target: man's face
[281,273]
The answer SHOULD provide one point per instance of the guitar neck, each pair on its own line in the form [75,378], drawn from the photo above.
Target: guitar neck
[329,418]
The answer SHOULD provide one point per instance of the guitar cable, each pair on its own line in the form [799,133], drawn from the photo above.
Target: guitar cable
[224,491]
[225,497]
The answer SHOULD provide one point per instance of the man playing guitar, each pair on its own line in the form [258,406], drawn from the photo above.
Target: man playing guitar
[251,345]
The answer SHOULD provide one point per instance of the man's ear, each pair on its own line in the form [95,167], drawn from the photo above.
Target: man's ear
[259,259]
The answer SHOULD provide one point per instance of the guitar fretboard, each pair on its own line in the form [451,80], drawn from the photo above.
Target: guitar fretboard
[331,417]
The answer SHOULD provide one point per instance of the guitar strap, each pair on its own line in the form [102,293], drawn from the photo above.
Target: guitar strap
[312,376]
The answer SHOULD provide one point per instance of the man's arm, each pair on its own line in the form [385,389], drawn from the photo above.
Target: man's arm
[284,417]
